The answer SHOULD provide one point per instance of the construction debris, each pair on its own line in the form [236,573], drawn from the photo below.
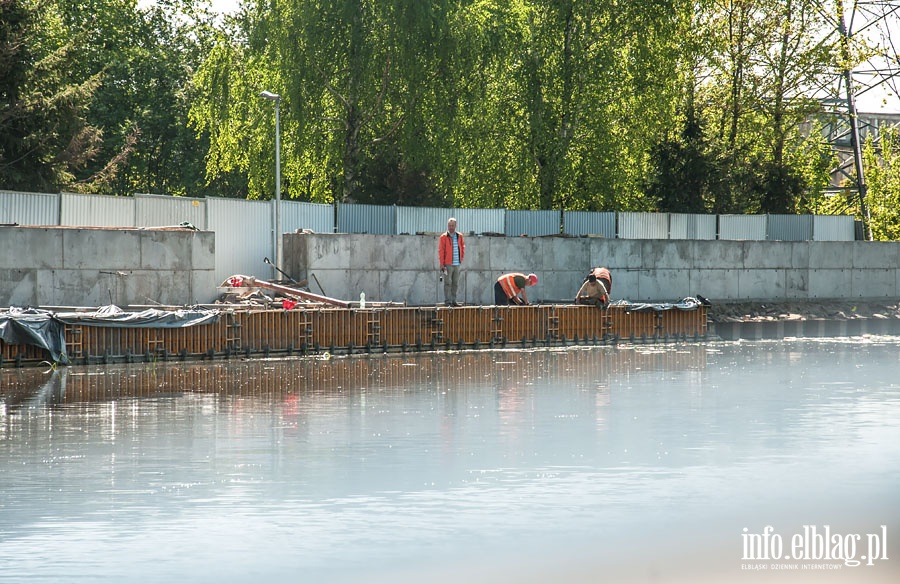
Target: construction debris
[239,289]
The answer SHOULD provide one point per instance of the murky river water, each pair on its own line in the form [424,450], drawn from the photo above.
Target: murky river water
[629,464]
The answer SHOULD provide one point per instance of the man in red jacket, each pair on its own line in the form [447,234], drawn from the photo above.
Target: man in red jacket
[451,251]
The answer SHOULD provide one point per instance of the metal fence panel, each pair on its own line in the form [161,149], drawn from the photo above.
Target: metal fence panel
[590,223]
[412,220]
[643,226]
[789,227]
[734,227]
[243,237]
[96,210]
[166,211]
[532,223]
[376,219]
[833,228]
[29,208]
[316,217]
[692,226]
[479,220]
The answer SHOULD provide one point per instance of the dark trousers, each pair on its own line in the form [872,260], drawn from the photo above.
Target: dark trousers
[500,298]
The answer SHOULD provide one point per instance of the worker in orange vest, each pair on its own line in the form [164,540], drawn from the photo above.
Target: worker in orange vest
[510,288]
[596,288]
[451,251]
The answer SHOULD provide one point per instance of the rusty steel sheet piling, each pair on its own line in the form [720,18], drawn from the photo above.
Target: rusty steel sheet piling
[254,332]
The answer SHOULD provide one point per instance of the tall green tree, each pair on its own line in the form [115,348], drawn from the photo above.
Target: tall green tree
[145,58]
[45,137]
[766,57]
[681,171]
[883,181]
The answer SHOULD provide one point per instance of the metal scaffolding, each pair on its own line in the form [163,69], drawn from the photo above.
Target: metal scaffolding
[871,29]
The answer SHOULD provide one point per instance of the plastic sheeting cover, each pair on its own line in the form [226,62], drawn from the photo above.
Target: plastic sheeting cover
[42,328]
[689,303]
[115,317]
[30,326]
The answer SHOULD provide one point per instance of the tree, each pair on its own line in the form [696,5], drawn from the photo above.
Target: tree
[767,56]
[44,134]
[883,180]
[680,170]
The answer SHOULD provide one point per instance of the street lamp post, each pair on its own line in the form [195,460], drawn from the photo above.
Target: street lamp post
[277,210]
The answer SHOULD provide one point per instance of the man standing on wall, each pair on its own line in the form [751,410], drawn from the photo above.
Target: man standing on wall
[451,250]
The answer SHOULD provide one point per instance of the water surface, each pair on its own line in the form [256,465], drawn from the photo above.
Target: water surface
[639,464]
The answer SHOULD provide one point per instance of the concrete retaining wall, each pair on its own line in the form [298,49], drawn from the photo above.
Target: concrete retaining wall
[403,268]
[53,266]
[58,266]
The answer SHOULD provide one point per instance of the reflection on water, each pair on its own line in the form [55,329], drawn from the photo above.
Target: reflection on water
[637,463]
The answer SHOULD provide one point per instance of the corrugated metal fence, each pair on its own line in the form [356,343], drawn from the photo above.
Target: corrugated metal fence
[244,229]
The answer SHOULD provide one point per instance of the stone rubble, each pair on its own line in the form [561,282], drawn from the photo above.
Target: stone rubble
[802,310]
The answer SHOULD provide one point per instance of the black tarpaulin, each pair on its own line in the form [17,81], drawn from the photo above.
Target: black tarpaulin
[31,326]
[42,328]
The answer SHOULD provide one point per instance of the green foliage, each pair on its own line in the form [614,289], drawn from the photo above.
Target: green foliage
[45,136]
[680,172]
[638,105]
[883,181]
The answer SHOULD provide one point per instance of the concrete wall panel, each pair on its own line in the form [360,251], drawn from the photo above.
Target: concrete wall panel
[614,253]
[101,248]
[828,254]
[714,283]
[796,284]
[18,287]
[478,286]
[767,254]
[478,253]
[150,287]
[39,248]
[79,287]
[626,283]
[515,254]
[660,284]
[93,267]
[558,285]
[166,251]
[761,284]
[203,288]
[717,255]
[800,255]
[872,283]
[399,254]
[369,252]
[830,283]
[203,250]
[559,253]
[666,254]
[878,254]
[334,284]
[329,252]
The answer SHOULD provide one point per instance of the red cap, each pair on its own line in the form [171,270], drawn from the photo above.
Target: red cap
[533,279]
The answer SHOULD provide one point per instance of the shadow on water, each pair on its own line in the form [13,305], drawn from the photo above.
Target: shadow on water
[276,377]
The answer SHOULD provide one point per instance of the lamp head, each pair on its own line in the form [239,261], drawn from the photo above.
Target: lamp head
[270,95]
